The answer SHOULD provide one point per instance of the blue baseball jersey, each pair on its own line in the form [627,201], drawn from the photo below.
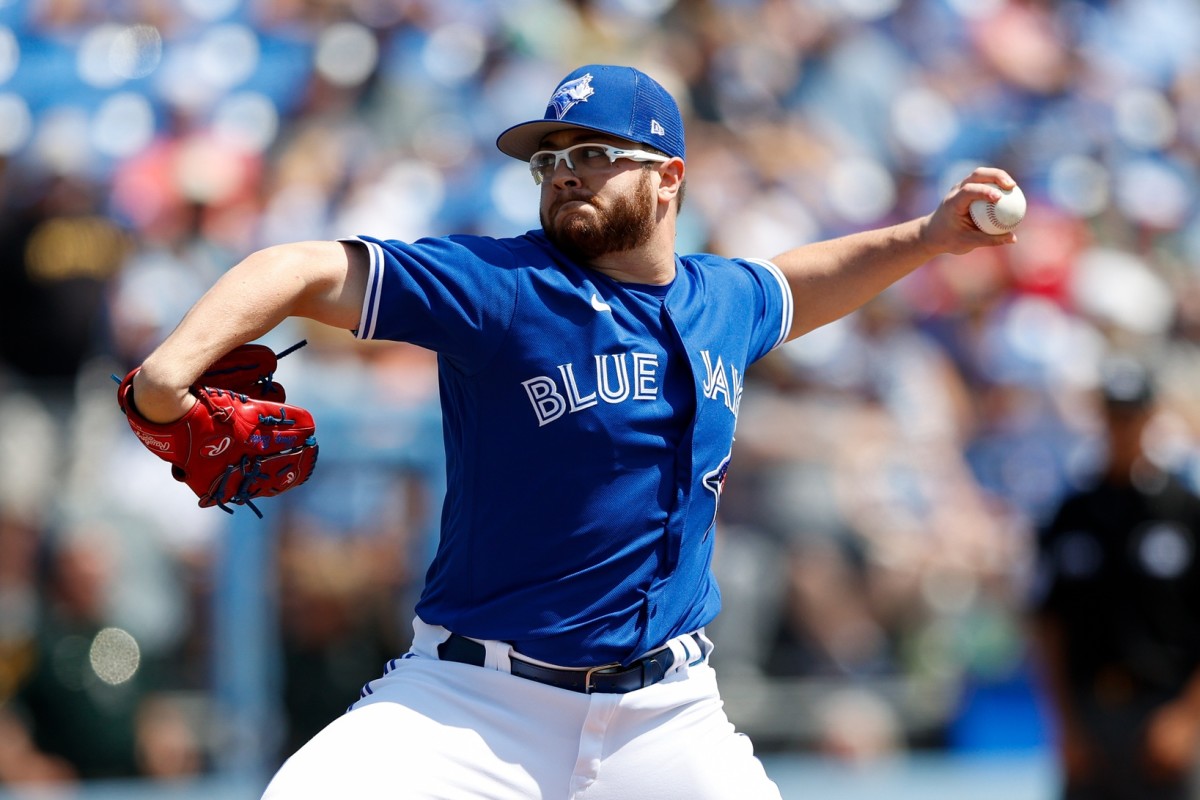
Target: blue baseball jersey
[588,427]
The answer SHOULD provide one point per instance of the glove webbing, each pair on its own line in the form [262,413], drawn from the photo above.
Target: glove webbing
[267,380]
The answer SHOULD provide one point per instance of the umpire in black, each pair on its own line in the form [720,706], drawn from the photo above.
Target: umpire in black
[1117,615]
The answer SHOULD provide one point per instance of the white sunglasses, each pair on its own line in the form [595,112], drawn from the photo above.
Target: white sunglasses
[588,157]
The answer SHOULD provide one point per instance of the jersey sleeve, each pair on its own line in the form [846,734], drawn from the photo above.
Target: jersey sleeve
[453,295]
[774,306]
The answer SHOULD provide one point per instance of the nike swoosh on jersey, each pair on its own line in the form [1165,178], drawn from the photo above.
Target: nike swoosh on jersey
[599,304]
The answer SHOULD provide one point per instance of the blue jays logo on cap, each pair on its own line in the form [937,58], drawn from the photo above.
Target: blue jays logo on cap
[620,101]
[570,93]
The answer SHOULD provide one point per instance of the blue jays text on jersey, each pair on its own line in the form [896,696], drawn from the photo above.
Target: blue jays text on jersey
[588,426]
[620,377]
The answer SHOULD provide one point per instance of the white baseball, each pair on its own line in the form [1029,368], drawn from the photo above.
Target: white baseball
[1001,216]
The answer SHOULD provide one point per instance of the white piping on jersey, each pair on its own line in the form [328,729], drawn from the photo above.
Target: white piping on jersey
[785,291]
[370,310]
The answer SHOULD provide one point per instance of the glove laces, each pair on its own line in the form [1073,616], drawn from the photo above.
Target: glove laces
[249,468]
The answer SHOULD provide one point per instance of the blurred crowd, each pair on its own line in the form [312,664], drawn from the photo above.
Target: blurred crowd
[891,469]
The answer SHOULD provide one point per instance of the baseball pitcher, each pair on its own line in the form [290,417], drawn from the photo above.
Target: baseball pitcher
[591,379]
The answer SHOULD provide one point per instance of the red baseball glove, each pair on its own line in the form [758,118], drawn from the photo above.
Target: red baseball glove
[240,440]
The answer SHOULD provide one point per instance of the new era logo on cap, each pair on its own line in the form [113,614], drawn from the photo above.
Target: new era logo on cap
[620,101]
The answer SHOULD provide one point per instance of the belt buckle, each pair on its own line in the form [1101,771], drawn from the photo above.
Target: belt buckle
[587,675]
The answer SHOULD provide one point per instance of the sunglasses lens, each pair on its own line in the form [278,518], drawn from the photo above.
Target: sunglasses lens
[591,157]
[541,165]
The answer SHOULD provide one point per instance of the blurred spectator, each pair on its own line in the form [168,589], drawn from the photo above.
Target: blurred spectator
[59,251]
[857,727]
[20,537]
[337,626]
[1117,614]
[90,703]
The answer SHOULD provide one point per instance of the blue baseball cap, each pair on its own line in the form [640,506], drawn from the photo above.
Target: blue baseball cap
[621,101]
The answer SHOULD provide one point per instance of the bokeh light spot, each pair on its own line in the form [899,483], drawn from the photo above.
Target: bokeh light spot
[114,656]
[1153,193]
[924,121]
[861,190]
[94,60]
[135,51]
[454,52]
[228,55]
[16,123]
[61,140]
[123,126]
[1144,118]
[1079,184]
[248,119]
[346,54]
[10,53]
[209,10]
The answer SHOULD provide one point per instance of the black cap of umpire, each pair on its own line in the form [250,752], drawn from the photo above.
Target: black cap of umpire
[1126,383]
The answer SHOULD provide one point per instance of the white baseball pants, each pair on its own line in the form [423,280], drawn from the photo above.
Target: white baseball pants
[431,729]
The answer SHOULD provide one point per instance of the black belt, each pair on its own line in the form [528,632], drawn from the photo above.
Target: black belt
[608,679]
